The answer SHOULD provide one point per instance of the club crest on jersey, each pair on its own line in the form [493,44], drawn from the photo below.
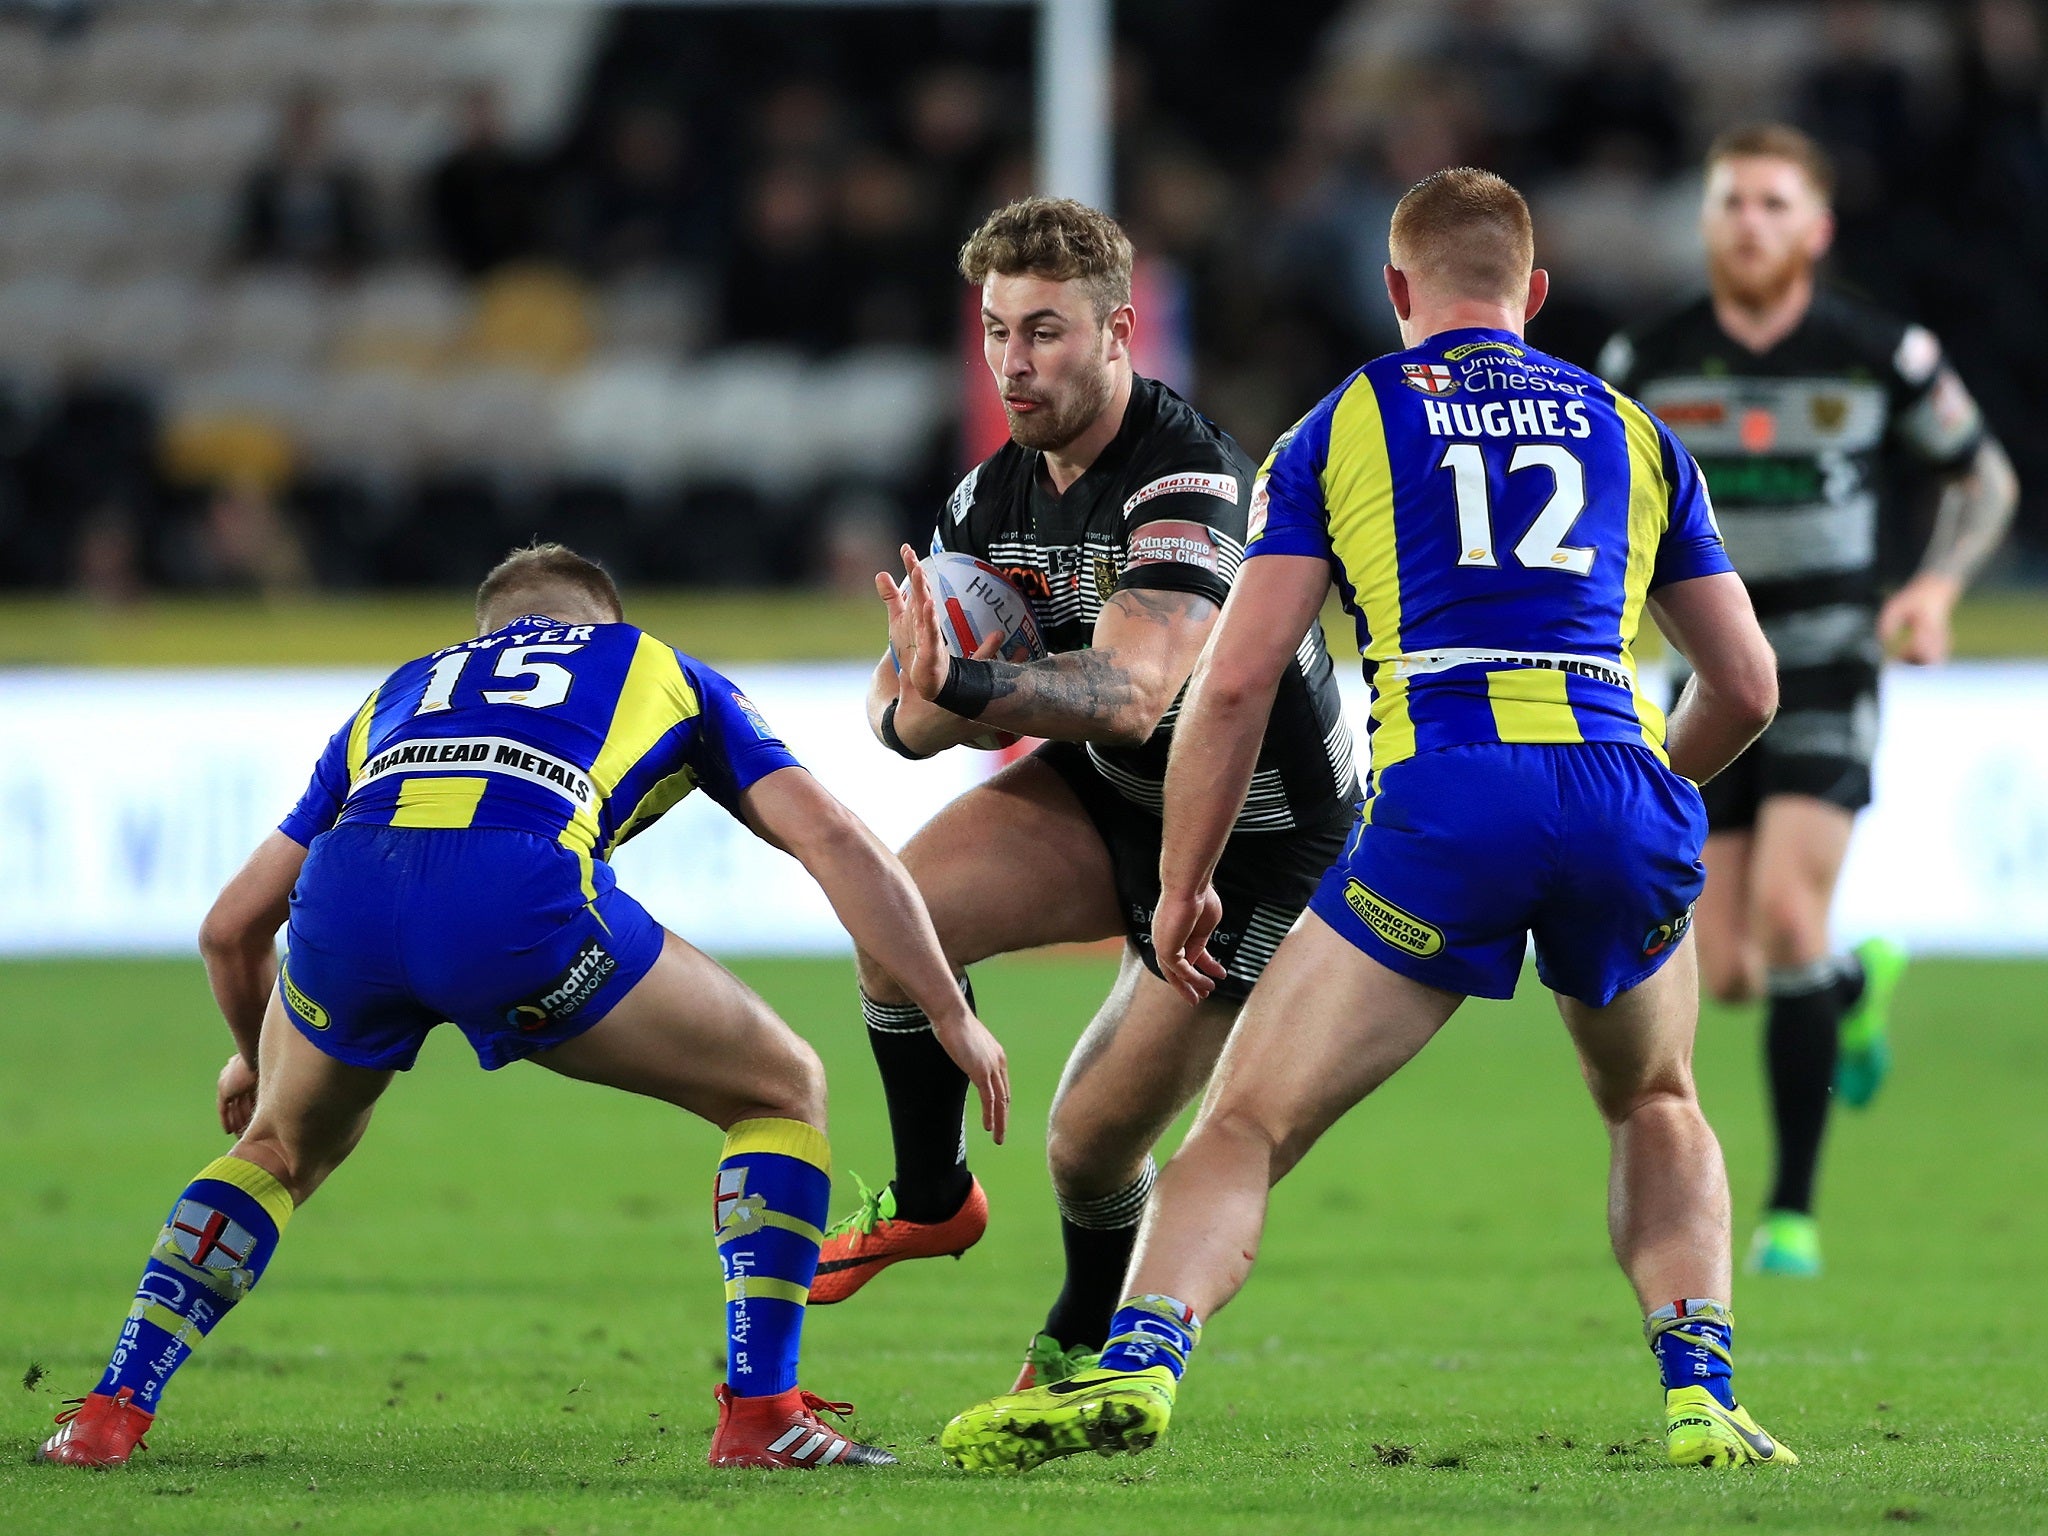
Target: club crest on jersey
[1429,378]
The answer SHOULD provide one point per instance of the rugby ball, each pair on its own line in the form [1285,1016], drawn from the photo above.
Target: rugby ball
[975,601]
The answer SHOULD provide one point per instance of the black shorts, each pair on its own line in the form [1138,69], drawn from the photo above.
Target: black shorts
[1825,753]
[1264,878]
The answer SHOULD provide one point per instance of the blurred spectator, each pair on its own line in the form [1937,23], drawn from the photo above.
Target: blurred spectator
[483,200]
[899,277]
[785,283]
[800,121]
[648,202]
[949,127]
[1857,102]
[306,205]
[1623,108]
[1480,53]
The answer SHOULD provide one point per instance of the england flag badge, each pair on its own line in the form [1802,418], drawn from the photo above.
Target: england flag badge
[1430,378]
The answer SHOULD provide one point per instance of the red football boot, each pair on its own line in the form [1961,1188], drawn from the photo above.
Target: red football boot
[99,1431]
[785,1431]
[874,1237]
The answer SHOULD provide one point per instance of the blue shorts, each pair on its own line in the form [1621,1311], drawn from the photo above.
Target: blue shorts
[397,929]
[1460,854]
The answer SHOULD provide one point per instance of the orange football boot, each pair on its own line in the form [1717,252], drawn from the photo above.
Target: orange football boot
[99,1431]
[874,1237]
[785,1431]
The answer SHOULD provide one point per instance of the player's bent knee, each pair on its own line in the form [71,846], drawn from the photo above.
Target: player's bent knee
[1087,1161]
[875,982]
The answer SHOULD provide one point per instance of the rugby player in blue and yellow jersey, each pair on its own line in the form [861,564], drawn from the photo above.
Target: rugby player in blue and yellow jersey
[1497,522]
[449,862]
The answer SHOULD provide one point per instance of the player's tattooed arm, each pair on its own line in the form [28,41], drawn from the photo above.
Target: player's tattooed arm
[1975,511]
[1117,691]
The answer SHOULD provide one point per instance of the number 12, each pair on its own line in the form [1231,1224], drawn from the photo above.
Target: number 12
[1542,548]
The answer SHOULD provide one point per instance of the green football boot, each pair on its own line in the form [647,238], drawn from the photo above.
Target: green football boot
[1699,1432]
[1788,1243]
[1865,1056]
[1109,1412]
[1048,1361]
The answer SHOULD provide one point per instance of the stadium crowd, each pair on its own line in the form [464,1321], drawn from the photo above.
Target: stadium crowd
[702,318]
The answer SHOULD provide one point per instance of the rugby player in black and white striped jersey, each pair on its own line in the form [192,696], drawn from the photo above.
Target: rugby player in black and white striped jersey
[1121,514]
[1791,395]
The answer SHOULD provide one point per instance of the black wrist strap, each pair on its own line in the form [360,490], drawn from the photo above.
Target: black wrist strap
[969,687]
[889,737]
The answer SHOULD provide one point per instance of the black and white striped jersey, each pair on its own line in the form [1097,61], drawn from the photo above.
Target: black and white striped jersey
[1163,507]
[1792,442]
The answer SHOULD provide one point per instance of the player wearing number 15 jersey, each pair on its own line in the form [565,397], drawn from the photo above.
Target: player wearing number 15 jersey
[448,862]
[1497,522]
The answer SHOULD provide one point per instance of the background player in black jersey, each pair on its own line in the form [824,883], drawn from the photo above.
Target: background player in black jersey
[1121,513]
[1790,395]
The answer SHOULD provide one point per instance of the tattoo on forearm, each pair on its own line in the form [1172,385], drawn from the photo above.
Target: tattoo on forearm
[1083,684]
[1093,687]
[1975,510]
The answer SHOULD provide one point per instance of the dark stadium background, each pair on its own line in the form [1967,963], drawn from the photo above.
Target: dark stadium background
[311,297]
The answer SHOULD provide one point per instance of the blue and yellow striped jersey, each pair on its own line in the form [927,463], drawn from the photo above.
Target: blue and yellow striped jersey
[1495,518]
[584,734]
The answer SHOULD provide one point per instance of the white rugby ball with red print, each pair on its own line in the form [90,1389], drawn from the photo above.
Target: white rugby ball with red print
[975,601]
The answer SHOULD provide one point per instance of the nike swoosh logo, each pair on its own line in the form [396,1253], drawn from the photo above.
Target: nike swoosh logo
[1066,1388]
[833,1266]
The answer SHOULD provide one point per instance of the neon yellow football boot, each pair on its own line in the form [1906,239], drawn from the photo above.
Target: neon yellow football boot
[1699,1432]
[1109,1412]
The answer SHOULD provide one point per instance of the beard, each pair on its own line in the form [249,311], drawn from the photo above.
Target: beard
[1056,422]
[1755,286]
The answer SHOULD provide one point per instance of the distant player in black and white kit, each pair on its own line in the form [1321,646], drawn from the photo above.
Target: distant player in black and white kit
[1121,513]
[1790,395]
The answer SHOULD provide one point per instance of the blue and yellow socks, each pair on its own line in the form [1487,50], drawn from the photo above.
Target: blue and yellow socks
[1693,1341]
[774,1188]
[213,1249]
[1149,1331]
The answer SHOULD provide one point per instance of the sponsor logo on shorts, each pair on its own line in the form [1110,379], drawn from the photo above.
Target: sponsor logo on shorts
[569,991]
[1664,935]
[299,1003]
[1403,930]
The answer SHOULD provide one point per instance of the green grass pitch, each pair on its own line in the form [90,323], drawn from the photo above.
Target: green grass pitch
[503,1314]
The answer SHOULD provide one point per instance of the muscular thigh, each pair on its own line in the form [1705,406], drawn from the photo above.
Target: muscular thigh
[694,1035]
[1731,967]
[1014,864]
[1326,1025]
[1147,1052]
[1800,842]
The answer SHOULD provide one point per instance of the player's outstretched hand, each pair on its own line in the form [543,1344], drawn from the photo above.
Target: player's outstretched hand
[237,1095]
[1181,925]
[926,665]
[1914,624]
[979,1054]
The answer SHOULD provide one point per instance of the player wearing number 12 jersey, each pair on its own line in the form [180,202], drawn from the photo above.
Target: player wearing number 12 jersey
[448,862]
[1497,522]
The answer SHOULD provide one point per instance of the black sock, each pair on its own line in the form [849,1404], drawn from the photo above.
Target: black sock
[1799,1053]
[927,1098]
[1849,980]
[1098,1236]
